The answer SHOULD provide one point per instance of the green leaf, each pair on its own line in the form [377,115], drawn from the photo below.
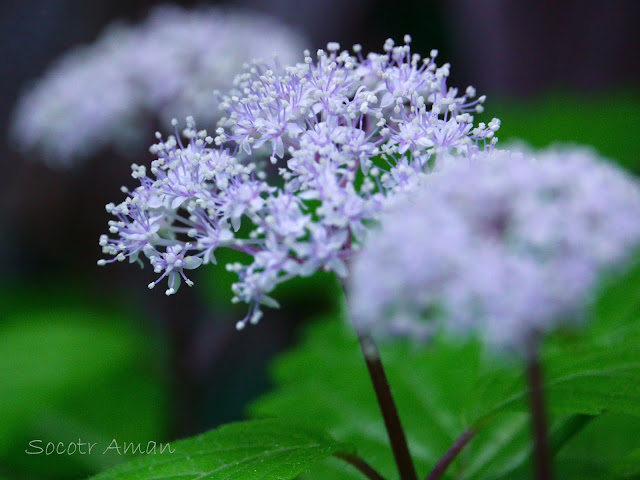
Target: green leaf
[567,117]
[629,469]
[252,450]
[597,372]
[586,379]
[68,373]
[318,292]
[43,356]
[325,381]
[612,437]
[449,386]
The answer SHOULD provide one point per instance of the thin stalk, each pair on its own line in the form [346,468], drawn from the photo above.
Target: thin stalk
[361,465]
[451,454]
[542,458]
[388,408]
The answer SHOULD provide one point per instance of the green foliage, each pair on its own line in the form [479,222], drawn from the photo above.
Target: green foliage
[325,381]
[449,386]
[71,370]
[262,449]
[598,372]
[629,469]
[213,283]
[602,446]
[601,121]
[318,292]
[587,379]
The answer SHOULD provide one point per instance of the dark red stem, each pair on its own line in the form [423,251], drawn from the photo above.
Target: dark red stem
[388,408]
[361,465]
[542,458]
[451,454]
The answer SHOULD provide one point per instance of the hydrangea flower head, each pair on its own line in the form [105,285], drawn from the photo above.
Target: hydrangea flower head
[134,78]
[346,133]
[502,244]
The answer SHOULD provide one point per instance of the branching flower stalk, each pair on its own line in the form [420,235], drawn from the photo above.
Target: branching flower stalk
[393,424]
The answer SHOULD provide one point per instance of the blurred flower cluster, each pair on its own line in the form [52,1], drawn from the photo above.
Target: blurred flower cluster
[509,245]
[135,78]
[346,132]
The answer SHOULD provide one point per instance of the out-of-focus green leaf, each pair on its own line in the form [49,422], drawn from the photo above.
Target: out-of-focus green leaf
[600,121]
[74,373]
[325,382]
[629,468]
[43,356]
[318,292]
[262,449]
[602,445]
[213,282]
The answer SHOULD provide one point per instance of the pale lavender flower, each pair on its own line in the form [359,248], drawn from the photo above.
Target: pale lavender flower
[502,244]
[135,78]
[340,153]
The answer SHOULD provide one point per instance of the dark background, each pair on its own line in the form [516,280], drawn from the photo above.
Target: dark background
[553,70]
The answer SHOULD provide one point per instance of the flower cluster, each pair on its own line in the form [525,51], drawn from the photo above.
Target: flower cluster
[116,91]
[346,133]
[502,243]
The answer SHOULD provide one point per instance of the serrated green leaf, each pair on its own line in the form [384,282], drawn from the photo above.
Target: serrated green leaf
[259,449]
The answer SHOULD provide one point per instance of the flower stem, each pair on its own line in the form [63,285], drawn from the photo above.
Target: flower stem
[388,408]
[542,459]
[451,454]
[361,465]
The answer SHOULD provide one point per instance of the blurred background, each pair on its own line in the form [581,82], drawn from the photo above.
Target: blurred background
[91,353]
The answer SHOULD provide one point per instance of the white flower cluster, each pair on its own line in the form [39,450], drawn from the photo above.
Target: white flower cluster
[133,79]
[503,244]
[346,132]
